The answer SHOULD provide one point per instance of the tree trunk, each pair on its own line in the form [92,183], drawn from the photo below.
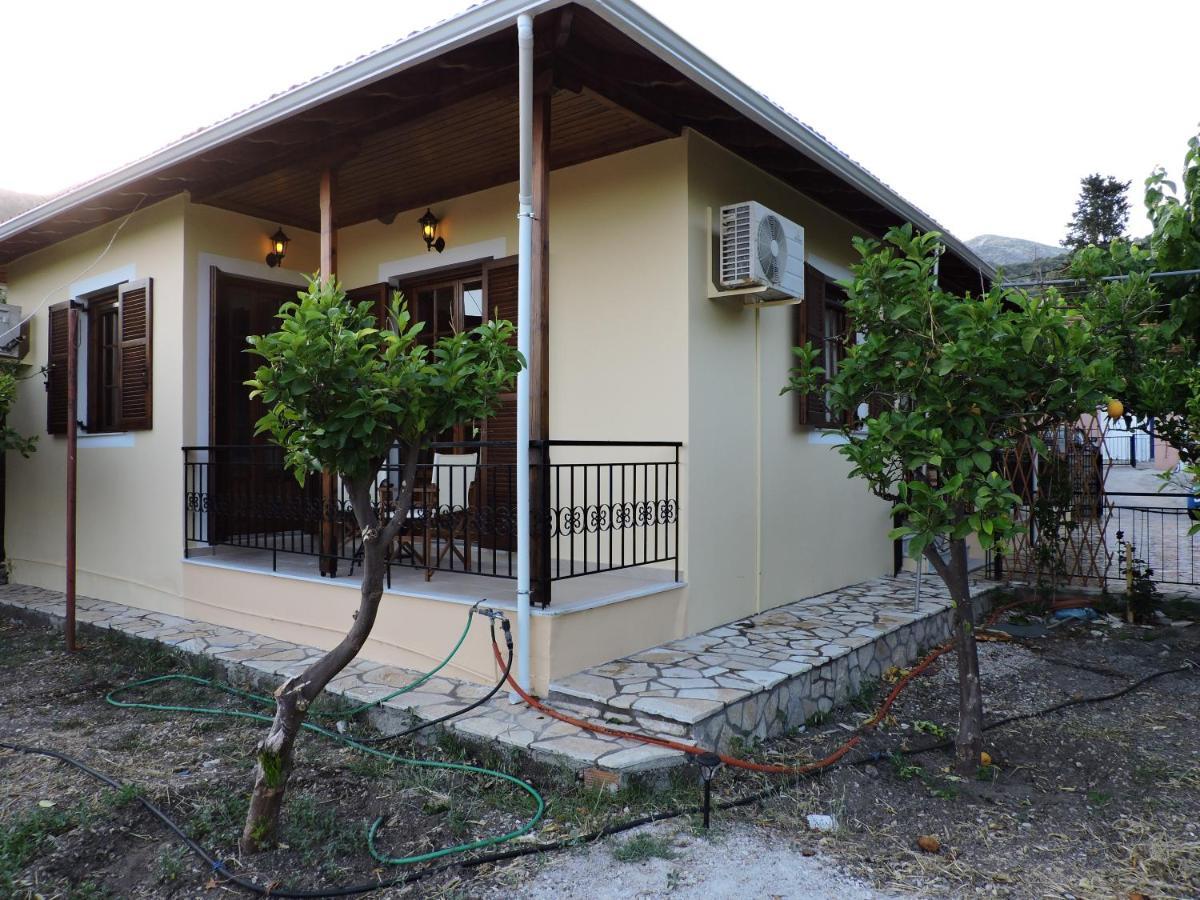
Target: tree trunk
[969,740]
[275,753]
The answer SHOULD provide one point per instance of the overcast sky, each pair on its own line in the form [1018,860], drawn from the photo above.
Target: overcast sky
[984,114]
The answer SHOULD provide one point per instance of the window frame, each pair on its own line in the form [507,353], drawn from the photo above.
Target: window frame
[96,307]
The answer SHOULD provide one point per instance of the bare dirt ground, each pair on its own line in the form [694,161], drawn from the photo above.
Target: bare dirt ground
[1096,800]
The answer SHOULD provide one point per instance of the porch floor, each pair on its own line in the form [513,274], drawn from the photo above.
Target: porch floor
[568,594]
[756,677]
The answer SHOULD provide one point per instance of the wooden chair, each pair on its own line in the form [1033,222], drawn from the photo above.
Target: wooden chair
[454,480]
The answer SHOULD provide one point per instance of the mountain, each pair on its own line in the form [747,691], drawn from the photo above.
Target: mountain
[12,202]
[1009,251]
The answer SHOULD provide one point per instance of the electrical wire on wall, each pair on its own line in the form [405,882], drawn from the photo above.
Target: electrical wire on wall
[76,277]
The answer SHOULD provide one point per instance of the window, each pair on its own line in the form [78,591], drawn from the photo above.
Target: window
[102,346]
[836,332]
[115,361]
[448,307]
[821,320]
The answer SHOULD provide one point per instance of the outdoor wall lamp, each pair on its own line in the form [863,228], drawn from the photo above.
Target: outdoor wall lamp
[279,242]
[429,224]
[709,763]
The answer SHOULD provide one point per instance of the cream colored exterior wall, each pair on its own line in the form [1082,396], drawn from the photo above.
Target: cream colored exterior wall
[773,517]
[129,502]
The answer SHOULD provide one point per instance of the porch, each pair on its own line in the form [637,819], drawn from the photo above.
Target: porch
[604,525]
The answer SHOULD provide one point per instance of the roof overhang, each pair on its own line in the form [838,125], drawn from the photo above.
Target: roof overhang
[116,193]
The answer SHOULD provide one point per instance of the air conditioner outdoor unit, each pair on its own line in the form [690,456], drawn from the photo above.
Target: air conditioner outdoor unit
[761,249]
[14,335]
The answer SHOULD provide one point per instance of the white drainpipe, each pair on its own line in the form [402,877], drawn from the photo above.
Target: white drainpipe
[524,291]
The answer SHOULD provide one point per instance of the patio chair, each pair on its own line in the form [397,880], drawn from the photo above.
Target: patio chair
[415,530]
[453,477]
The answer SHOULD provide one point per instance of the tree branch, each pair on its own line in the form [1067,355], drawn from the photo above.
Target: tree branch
[404,501]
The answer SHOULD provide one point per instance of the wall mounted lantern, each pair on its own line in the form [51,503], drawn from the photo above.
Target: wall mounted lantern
[279,242]
[429,224]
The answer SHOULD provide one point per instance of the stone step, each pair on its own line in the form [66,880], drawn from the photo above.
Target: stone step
[772,672]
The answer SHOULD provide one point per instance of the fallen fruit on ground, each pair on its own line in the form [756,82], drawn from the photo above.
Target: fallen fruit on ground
[985,758]
[929,843]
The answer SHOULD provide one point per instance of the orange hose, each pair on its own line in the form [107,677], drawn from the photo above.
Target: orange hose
[735,762]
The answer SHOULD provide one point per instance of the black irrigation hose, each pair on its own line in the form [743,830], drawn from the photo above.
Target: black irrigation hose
[1020,717]
[420,726]
[549,846]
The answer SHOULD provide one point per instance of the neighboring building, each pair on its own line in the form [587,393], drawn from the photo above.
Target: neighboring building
[744,506]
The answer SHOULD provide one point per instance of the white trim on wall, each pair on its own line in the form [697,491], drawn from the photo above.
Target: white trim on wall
[103,280]
[231,266]
[116,439]
[497,248]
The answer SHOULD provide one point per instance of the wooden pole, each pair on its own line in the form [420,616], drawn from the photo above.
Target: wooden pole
[328,231]
[329,506]
[539,350]
[72,447]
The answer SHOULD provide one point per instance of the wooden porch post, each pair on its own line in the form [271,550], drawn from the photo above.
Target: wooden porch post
[329,511]
[539,354]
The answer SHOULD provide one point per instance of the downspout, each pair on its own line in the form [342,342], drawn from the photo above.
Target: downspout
[758,462]
[524,313]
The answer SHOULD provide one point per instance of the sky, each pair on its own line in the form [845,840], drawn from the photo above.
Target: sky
[984,114]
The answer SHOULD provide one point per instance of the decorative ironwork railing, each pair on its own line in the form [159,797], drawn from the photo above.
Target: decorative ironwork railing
[596,506]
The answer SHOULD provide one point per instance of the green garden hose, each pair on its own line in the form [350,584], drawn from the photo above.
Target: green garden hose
[539,802]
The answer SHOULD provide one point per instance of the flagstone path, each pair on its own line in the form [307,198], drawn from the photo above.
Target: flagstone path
[749,679]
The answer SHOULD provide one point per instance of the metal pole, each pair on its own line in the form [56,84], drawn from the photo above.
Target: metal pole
[920,571]
[72,447]
[524,335]
[707,802]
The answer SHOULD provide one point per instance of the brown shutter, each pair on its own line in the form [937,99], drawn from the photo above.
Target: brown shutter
[500,302]
[56,370]
[379,296]
[810,326]
[134,359]
[500,290]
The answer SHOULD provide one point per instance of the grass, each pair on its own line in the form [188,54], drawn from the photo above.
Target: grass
[643,847]
[905,770]
[23,837]
[318,832]
[170,864]
[218,817]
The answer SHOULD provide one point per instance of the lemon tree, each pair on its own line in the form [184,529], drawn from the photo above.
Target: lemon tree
[951,383]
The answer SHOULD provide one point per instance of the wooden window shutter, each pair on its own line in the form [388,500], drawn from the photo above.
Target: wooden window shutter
[134,358]
[500,302]
[500,290]
[809,325]
[379,296]
[56,369]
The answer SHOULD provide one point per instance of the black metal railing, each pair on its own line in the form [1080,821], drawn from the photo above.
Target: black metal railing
[1158,527]
[596,506]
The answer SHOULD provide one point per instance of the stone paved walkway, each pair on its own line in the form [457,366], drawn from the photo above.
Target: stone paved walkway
[759,676]
[750,678]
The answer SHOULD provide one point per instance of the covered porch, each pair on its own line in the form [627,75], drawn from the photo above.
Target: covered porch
[605,521]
